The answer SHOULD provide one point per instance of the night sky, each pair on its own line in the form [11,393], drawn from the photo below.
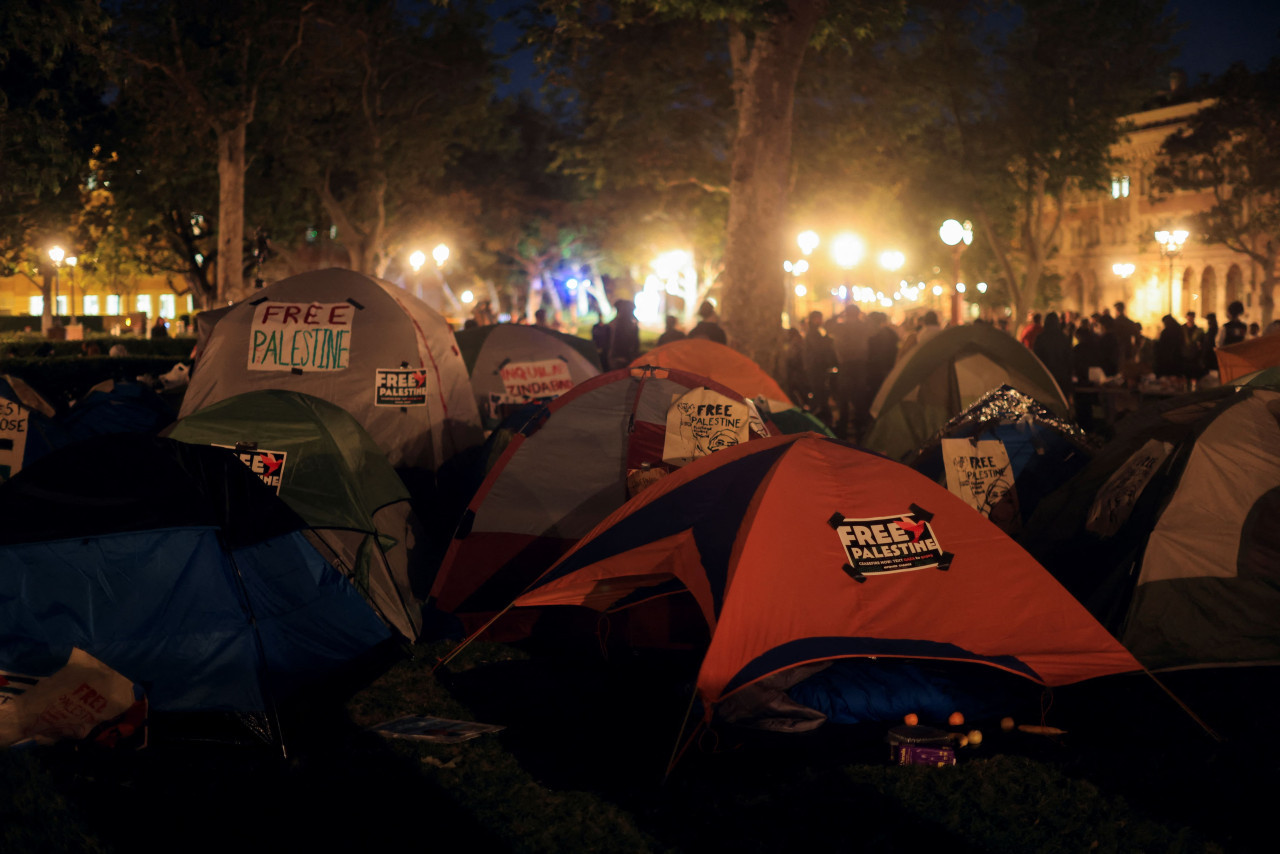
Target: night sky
[1220,32]
[1214,34]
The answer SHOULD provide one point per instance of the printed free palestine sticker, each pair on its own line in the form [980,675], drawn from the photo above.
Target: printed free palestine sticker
[400,387]
[880,545]
[267,465]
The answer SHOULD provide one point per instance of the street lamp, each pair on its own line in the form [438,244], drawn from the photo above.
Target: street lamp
[957,235]
[416,260]
[1170,247]
[807,241]
[441,254]
[71,262]
[56,254]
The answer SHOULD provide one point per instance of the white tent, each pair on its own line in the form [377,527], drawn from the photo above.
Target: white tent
[359,342]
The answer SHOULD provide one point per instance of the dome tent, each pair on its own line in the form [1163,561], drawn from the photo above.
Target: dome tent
[1003,455]
[512,365]
[801,549]
[726,365]
[174,566]
[1171,535]
[934,382]
[566,470]
[358,342]
[324,465]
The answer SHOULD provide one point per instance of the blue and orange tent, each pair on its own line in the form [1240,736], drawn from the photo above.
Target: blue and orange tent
[800,549]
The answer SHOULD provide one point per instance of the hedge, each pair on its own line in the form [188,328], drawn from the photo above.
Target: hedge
[61,380]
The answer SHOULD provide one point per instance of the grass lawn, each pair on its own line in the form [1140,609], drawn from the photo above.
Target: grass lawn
[580,767]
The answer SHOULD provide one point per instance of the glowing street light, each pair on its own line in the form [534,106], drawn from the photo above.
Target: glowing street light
[801,290]
[848,250]
[1170,247]
[416,260]
[467,296]
[1124,271]
[441,254]
[807,241]
[892,260]
[957,235]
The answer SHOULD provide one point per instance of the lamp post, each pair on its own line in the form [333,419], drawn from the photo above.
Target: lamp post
[848,250]
[416,260]
[957,235]
[56,254]
[71,274]
[1170,247]
[441,254]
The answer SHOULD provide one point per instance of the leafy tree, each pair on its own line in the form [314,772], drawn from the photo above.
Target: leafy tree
[386,99]
[765,44]
[200,67]
[1028,98]
[51,88]
[1231,149]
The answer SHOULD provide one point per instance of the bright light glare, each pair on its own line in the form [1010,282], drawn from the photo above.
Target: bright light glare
[1124,271]
[56,254]
[807,241]
[951,232]
[844,292]
[467,296]
[802,266]
[892,259]
[572,284]
[671,263]
[801,290]
[786,265]
[71,262]
[982,287]
[416,260]
[937,290]
[848,249]
[441,254]
[960,287]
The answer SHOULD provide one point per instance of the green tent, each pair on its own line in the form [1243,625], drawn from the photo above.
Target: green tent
[939,379]
[328,469]
[1267,377]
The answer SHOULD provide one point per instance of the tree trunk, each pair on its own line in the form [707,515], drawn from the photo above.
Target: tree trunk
[46,291]
[765,80]
[231,166]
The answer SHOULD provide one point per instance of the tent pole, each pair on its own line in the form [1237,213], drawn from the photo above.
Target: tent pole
[267,693]
[1191,714]
[453,653]
[676,749]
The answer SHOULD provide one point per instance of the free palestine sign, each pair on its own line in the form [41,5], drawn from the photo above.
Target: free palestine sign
[288,336]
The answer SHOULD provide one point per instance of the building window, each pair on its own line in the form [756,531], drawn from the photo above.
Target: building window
[168,306]
[142,303]
[60,305]
[113,304]
[1120,187]
[35,306]
[91,308]
[191,304]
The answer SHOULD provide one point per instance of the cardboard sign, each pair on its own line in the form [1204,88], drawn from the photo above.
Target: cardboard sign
[1116,499]
[400,387]
[978,472]
[66,704]
[882,545]
[703,421]
[267,465]
[288,336]
[528,381]
[13,437]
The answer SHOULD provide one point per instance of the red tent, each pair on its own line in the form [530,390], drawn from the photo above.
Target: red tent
[801,549]
[571,466]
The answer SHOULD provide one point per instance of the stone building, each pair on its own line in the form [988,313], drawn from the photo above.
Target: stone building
[1103,233]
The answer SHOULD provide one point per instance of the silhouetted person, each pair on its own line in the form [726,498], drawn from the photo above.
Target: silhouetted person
[1234,330]
[624,335]
[709,325]
[819,360]
[672,332]
[1169,349]
[1053,348]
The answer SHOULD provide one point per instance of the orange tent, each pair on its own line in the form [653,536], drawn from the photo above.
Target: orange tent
[723,364]
[801,549]
[1246,357]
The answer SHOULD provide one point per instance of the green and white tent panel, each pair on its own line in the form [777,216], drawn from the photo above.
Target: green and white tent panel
[329,470]
[936,381]
[512,365]
[1171,536]
[358,342]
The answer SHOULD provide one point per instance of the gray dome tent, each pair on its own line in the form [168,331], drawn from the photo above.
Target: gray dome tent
[358,342]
